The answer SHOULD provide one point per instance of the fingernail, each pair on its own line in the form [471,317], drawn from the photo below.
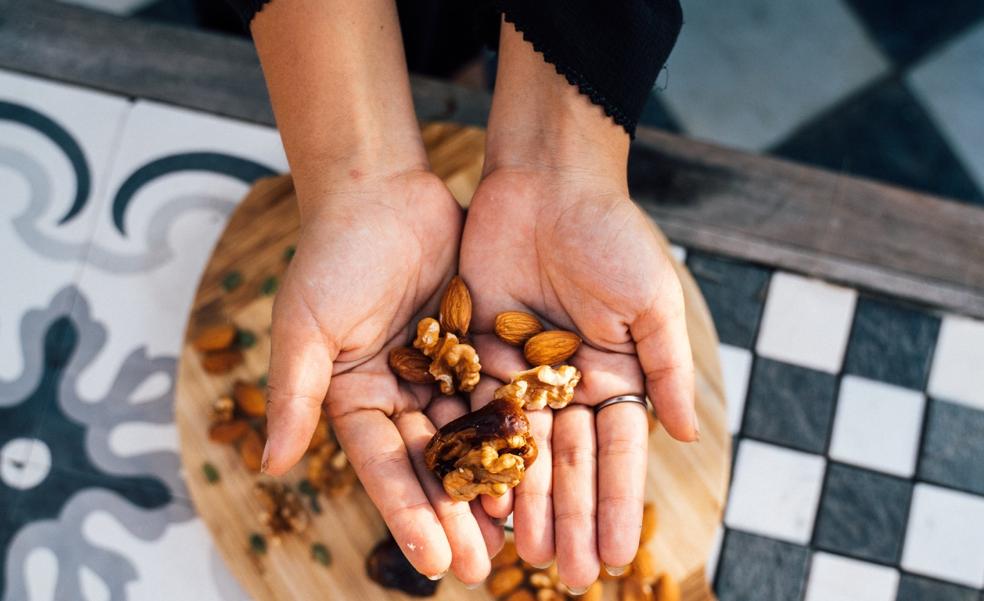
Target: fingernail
[265,460]
[438,576]
[499,521]
[577,591]
[542,566]
[696,429]
[472,585]
[616,570]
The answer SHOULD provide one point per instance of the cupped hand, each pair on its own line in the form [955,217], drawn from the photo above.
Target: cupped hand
[572,248]
[373,256]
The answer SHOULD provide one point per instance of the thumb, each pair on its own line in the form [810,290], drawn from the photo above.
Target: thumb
[300,371]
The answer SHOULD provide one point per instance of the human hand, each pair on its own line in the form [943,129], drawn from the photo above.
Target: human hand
[373,256]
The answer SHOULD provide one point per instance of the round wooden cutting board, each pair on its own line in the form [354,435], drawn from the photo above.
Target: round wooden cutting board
[686,482]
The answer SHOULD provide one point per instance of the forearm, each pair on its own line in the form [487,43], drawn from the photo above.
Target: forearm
[340,91]
[539,120]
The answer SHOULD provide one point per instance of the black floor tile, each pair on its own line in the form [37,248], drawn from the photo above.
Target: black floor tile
[885,134]
[907,29]
[863,514]
[761,569]
[789,405]
[735,292]
[655,114]
[915,588]
[891,343]
[953,447]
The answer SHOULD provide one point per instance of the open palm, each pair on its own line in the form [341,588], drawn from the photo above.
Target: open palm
[575,251]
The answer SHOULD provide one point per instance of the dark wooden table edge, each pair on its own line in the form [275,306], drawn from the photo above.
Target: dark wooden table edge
[840,228]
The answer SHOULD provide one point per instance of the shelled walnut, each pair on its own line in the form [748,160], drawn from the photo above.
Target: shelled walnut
[282,511]
[454,364]
[328,468]
[539,387]
[483,452]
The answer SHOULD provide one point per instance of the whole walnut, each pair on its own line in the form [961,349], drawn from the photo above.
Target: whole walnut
[483,452]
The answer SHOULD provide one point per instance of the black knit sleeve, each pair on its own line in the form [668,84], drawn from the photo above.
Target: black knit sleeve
[612,51]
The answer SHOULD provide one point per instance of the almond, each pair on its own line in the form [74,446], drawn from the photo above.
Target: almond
[228,432]
[220,362]
[506,556]
[643,567]
[516,327]
[250,399]
[215,338]
[630,589]
[456,308]
[410,365]
[502,582]
[594,592]
[648,523]
[521,595]
[666,588]
[551,347]
[251,450]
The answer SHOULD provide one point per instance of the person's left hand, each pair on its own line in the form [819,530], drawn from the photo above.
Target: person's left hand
[574,250]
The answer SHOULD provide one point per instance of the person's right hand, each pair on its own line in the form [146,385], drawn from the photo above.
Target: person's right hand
[374,255]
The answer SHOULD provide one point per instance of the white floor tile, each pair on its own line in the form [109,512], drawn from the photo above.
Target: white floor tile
[747,73]
[39,188]
[945,537]
[958,364]
[877,426]
[806,322]
[710,568]
[836,578]
[950,84]
[736,366]
[775,491]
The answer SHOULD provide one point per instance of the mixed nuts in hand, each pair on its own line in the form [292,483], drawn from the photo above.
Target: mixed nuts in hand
[488,450]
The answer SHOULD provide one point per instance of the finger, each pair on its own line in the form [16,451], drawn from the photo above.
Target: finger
[622,432]
[469,555]
[623,437]
[497,507]
[574,496]
[300,371]
[664,352]
[377,452]
[533,523]
[441,411]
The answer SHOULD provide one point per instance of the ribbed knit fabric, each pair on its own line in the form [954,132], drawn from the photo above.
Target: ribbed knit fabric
[612,51]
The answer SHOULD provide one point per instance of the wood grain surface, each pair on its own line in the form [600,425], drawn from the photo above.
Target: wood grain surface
[687,483]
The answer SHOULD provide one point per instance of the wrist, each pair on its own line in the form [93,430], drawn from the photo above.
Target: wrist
[539,121]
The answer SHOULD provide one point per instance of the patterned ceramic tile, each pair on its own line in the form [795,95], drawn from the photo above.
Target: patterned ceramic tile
[945,537]
[806,322]
[957,374]
[891,343]
[884,133]
[747,73]
[951,86]
[877,426]
[775,491]
[836,578]
[863,514]
[916,588]
[755,567]
[736,365]
[953,447]
[735,293]
[790,405]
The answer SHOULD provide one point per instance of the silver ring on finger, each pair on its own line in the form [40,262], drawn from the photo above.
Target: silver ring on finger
[622,398]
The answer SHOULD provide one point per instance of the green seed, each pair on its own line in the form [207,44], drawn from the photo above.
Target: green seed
[289,253]
[232,280]
[257,544]
[269,286]
[306,488]
[245,338]
[211,474]
[262,382]
[320,554]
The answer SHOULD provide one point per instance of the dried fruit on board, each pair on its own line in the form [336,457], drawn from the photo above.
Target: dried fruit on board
[516,327]
[483,452]
[536,388]
[281,509]
[215,338]
[222,361]
[389,568]
[250,399]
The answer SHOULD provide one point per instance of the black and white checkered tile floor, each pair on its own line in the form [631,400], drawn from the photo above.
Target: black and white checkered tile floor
[859,432]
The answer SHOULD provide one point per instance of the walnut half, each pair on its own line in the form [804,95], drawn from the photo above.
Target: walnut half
[484,452]
[282,511]
[536,388]
[454,364]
